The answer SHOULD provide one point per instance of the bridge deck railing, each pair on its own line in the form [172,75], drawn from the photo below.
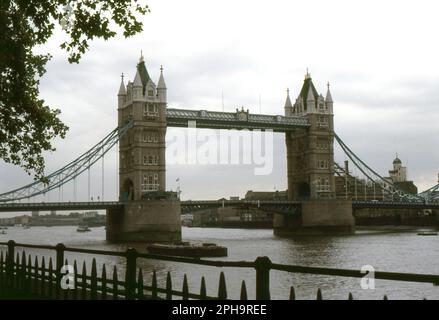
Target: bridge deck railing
[22,278]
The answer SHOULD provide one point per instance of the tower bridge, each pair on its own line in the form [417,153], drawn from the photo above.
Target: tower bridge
[146,211]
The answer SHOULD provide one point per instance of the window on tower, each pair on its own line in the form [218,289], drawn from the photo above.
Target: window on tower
[150,111]
[323,184]
[322,122]
[150,182]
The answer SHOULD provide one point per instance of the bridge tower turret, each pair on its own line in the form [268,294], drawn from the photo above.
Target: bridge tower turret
[122,95]
[161,88]
[142,150]
[310,152]
[288,106]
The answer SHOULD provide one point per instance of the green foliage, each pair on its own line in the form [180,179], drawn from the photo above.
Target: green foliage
[27,124]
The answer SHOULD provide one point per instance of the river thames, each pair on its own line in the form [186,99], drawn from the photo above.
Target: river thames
[396,252]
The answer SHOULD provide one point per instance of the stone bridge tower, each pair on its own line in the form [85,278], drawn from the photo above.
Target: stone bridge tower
[142,150]
[310,152]
[149,213]
[310,166]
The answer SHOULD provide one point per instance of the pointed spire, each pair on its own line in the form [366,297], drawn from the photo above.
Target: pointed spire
[122,89]
[137,80]
[307,75]
[288,101]
[310,96]
[161,83]
[142,59]
[328,95]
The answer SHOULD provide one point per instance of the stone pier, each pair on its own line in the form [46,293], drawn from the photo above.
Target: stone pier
[145,221]
[318,217]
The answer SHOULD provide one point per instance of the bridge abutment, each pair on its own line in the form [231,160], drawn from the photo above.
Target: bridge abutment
[145,221]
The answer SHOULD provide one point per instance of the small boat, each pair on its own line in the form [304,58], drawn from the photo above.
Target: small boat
[26,227]
[83,229]
[427,233]
[184,249]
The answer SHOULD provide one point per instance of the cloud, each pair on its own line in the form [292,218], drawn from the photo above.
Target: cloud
[384,77]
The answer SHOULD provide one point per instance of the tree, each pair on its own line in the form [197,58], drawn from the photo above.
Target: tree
[27,124]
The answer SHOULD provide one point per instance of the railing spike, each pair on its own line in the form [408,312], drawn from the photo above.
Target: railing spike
[243,295]
[104,283]
[168,286]
[93,281]
[154,285]
[222,290]
[43,289]
[319,294]
[65,292]
[115,284]
[185,291]
[36,283]
[75,280]
[140,294]
[203,293]
[17,271]
[350,297]
[24,286]
[50,277]
[29,273]
[385,297]
[292,293]
[84,282]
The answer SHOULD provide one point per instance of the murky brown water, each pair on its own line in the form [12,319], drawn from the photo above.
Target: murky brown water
[398,252]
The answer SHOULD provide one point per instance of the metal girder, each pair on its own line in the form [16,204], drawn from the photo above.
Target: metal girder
[383,183]
[432,194]
[233,120]
[69,171]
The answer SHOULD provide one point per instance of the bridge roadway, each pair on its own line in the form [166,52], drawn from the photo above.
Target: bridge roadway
[60,206]
[282,207]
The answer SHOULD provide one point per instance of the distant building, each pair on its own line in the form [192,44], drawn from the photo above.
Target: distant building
[399,177]
[7,221]
[23,220]
[352,187]
[90,214]
[187,220]
[74,214]
[234,198]
[266,195]
[399,173]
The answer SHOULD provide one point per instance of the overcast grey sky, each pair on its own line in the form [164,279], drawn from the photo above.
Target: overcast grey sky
[379,56]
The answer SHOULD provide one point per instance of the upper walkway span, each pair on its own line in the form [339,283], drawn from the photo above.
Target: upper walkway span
[233,120]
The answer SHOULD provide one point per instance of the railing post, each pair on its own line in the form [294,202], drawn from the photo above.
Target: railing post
[262,266]
[60,248]
[130,273]
[10,264]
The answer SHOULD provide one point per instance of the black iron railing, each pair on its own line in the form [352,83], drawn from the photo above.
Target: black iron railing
[23,279]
